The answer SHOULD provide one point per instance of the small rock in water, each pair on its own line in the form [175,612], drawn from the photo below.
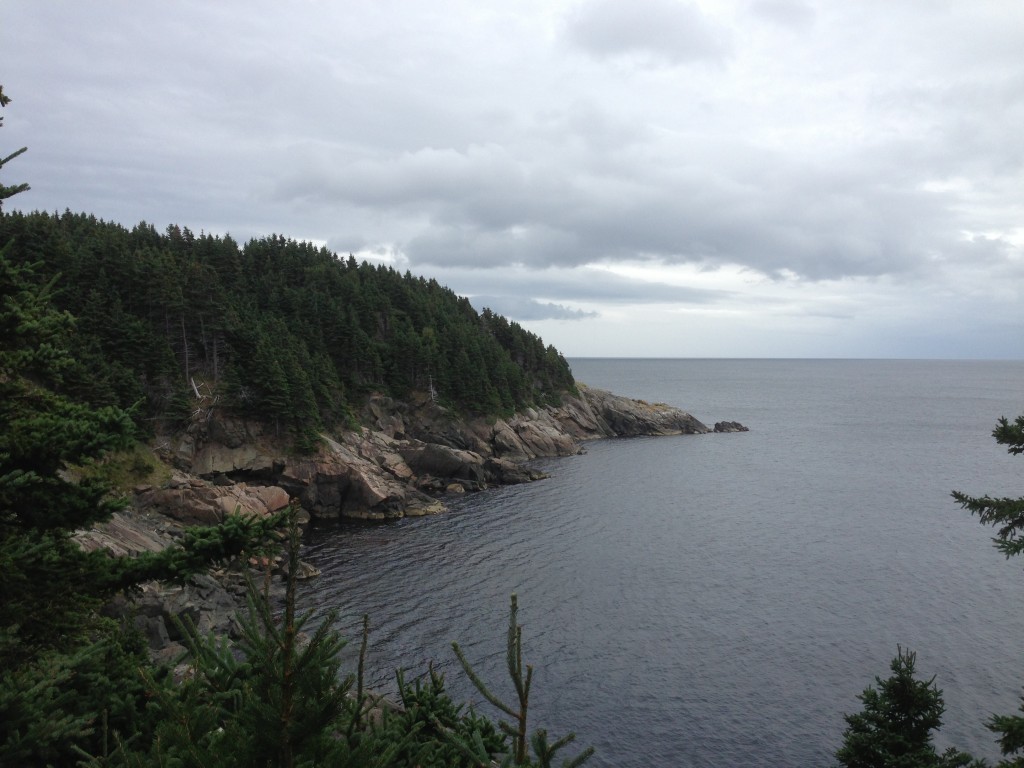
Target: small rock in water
[730,426]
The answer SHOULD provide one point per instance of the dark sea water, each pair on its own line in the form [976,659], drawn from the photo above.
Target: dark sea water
[720,600]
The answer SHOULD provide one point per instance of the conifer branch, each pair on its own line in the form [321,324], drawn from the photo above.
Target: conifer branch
[479,684]
[13,155]
[521,683]
[360,669]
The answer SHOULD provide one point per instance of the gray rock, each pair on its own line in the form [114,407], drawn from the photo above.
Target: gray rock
[443,461]
[730,426]
[154,630]
[618,416]
[502,471]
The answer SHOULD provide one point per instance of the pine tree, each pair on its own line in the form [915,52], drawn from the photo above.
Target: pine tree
[894,729]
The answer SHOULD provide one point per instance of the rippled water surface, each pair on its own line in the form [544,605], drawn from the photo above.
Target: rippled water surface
[720,600]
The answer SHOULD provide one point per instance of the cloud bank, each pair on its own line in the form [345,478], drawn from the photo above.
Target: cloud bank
[767,177]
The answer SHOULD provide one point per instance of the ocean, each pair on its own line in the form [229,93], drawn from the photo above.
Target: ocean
[721,600]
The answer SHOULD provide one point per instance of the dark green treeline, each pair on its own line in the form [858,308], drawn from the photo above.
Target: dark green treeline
[278,329]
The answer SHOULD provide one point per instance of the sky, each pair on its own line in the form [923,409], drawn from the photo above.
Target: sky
[651,178]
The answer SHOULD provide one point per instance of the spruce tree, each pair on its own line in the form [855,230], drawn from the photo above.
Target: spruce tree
[894,729]
[270,701]
[51,637]
[66,675]
[1006,515]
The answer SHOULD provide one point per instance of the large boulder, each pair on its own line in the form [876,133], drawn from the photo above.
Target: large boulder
[443,461]
[352,479]
[194,501]
[385,415]
[541,436]
[127,534]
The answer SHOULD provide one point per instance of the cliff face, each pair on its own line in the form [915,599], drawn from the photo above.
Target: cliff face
[407,455]
[403,462]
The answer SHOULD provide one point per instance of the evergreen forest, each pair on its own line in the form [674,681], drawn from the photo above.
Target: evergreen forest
[276,329]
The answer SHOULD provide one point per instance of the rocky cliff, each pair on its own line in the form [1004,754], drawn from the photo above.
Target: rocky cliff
[404,460]
[400,463]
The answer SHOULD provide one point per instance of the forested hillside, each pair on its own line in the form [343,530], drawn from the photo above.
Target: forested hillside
[278,329]
[93,317]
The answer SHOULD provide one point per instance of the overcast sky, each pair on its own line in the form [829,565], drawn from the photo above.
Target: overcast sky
[665,178]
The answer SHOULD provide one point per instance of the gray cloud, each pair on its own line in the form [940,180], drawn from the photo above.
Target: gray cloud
[827,161]
[660,30]
[524,310]
[788,13]
[576,286]
[820,224]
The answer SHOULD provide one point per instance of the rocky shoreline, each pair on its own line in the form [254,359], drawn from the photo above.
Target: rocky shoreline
[402,462]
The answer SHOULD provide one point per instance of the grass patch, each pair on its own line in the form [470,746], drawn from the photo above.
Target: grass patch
[124,470]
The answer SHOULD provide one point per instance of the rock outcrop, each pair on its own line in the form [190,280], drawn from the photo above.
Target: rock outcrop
[730,426]
[598,413]
[401,463]
[406,455]
[193,500]
[209,602]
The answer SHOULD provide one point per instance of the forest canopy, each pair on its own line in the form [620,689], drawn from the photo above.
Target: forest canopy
[277,329]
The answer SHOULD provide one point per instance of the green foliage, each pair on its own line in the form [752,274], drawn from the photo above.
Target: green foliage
[279,698]
[274,700]
[57,705]
[275,329]
[122,470]
[44,577]
[37,708]
[64,669]
[1010,730]
[5,191]
[894,729]
[1004,514]
[1007,516]
[521,678]
[61,669]
[436,732]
